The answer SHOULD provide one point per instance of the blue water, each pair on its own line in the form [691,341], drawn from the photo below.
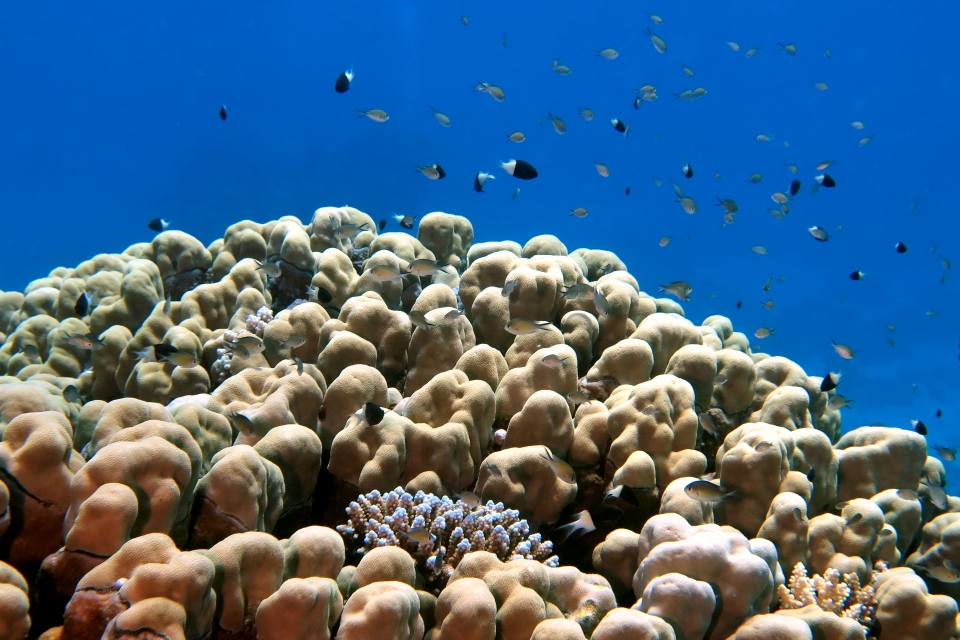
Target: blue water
[108,119]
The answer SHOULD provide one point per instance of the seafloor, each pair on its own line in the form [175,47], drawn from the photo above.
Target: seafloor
[329,446]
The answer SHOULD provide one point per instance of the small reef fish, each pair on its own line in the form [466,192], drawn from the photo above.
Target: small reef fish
[857,275]
[678,288]
[587,113]
[405,221]
[830,382]
[788,48]
[936,494]
[182,359]
[579,212]
[155,352]
[508,288]
[763,332]
[795,187]
[658,44]
[441,118]
[819,233]
[432,171]
[919,427]
[754,179]
[419,320]
[720,379]
[707,423]
[271,269]
[516,136]
[377,115]
[525,326]
[453,314]
[609,54]
[343,81]
[578,291]
[900,247]
[759,249]
[30,350]
[560,467]
[492,90]
[602,169]
[837,402]
[386,273]
[601,303]
[578,397]
[561,69]
[425,267]
[753,51]
[299,363]
[223,112]
[582,525]
[371,414]
[88,342]
[734,45]
[464,20]
[730,206]
[708,492]
[844,351]
[558,125]
[158,225]
[469,498]
[419,535]
[620,126]
[515,194]
[250,342]
[519,169]
[294,341]
[689,204]
[687,171]
[945,572]
[552,360]
[72,395]
[949,455]
[82,305]
[665,240]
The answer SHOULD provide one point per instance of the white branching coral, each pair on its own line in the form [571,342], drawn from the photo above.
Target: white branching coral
[840,595]
[256,323]
[455,527]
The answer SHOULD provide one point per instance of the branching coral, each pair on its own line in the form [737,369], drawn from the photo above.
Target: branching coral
[456,528]
[256,324]
[841,596]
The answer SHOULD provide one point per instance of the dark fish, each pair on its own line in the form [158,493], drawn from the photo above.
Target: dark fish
[636,102]
[520,169]
[830,382]
[82,305]
[621,492]
[372,413]
[688,171]
[939,413]
[324,296]
[223,112]
[919,427]
[857,275]
[811,474]
[618,125]
[343,81]
[794,187]
[901,248]
[381,225]
[739,304]
[164,350]
[606,514]
[158,225]
[72,394]
[628,190]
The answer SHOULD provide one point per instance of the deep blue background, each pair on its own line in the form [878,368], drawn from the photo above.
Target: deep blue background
[108,118]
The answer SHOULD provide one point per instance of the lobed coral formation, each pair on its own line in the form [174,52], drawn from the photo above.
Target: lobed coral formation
[176,461]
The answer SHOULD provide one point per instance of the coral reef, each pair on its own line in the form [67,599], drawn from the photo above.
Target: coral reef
[512,441]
